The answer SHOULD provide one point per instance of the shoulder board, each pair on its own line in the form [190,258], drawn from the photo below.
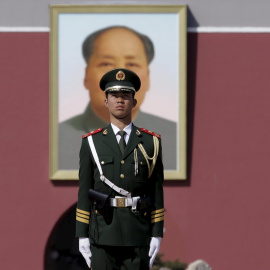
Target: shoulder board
[92,133]
[150,132]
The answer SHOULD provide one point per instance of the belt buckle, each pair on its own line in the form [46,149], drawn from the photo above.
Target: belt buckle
[121,202]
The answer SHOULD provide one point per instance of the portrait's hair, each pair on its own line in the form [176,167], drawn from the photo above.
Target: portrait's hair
[88,44]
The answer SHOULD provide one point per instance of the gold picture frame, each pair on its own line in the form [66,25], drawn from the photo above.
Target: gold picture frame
[167,27]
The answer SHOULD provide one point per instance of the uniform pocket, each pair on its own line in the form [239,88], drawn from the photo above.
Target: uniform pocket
[107,165]
[142,175]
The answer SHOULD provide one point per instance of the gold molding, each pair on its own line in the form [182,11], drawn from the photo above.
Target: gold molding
[55,10]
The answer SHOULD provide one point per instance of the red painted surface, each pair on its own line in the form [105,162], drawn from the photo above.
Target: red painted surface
[220,214]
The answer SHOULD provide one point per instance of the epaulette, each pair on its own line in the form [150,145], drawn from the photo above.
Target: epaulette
[92,133]
[150,132]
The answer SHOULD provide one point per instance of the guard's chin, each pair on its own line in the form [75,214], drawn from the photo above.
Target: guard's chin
[120,117]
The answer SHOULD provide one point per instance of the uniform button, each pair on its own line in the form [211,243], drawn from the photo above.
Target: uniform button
[145,213]
[122,175]
[102,162]
[122,161]
[96,212]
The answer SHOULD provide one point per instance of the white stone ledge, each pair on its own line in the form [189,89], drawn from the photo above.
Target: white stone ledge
[190,29]
[228,29]
[24,29]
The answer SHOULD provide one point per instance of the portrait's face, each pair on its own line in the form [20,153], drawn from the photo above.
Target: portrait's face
[120,104]
[116,48]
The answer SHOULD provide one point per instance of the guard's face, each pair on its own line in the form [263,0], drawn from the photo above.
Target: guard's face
[120,104]
[116,48]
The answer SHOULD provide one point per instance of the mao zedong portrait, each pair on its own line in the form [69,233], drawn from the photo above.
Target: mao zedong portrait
[104,50]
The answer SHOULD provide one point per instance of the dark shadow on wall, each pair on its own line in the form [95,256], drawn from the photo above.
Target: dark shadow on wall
[61,252]
[192,40]
[191,20]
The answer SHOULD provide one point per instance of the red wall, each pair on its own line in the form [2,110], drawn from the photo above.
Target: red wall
[220,214]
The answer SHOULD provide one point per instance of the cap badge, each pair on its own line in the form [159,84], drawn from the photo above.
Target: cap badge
[120,75]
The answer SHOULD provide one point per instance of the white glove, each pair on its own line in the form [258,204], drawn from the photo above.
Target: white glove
[84,248]
[154,248]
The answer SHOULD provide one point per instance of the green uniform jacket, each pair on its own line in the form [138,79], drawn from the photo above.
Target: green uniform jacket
[125,227]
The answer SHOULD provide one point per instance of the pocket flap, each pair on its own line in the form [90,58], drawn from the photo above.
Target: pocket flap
[141,162]
[106,160]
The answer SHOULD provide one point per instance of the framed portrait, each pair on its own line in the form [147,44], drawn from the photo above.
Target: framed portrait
[81,32]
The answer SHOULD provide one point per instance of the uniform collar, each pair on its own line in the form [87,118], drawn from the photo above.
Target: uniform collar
[127,129]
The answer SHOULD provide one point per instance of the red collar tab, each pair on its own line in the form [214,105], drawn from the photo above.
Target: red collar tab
[92,132]
[150,132]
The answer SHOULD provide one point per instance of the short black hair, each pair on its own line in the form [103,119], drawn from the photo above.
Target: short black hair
[88,44]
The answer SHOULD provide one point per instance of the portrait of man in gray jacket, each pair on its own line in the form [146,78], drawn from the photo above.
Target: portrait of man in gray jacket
[104,50]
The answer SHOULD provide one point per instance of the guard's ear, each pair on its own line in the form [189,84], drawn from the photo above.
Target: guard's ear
[134,102]
[106,102]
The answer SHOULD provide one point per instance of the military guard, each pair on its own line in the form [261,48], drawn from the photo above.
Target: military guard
[120,210]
